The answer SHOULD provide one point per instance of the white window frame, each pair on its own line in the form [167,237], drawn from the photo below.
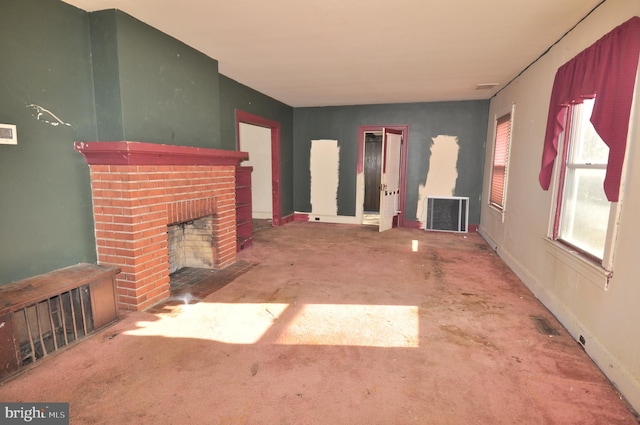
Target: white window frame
[570,165]
[598,271]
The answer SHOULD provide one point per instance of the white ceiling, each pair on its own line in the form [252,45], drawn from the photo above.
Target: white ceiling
[351,52]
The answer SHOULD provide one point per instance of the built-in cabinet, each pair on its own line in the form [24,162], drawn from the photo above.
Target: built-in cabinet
[244,226]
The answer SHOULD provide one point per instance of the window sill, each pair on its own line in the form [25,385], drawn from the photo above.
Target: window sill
[499,213]
[591,271]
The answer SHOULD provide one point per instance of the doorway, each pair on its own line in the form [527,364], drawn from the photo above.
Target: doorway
[375,161]
[274,151]
[372,177]
[256,141]
[372,165]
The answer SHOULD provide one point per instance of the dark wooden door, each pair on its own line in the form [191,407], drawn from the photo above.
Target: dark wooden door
[372,166]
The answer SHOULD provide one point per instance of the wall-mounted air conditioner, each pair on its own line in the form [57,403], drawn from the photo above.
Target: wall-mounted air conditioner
[447,214]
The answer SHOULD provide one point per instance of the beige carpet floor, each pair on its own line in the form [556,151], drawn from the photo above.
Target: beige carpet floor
[337,324]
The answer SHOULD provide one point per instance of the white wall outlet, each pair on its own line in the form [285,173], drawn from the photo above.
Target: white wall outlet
[8,134]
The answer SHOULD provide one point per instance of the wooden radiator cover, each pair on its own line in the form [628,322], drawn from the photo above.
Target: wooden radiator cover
[44,313]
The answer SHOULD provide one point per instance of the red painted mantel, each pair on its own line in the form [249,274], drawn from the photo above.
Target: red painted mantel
[140,153]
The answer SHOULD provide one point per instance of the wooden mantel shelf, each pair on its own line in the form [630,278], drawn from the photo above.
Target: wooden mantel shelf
[140,153]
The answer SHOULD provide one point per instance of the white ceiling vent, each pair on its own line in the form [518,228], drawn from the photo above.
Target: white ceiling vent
[486,86]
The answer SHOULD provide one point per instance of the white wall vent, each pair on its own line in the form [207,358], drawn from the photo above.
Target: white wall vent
[447,214]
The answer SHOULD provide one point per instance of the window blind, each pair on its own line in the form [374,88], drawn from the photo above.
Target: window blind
[500,157]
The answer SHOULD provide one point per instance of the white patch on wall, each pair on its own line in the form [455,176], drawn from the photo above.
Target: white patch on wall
[324,164]
[256,141]
[47,117]
[442,175]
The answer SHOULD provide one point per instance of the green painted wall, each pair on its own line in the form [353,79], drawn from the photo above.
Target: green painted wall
[465,120]
[151,87]
[98,76]
[45,200]
[235,96]
[106,75]
[72,75]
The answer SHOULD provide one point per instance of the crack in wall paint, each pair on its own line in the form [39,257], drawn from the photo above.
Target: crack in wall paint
[48,117]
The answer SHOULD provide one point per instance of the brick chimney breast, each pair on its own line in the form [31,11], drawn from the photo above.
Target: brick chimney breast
[138,190]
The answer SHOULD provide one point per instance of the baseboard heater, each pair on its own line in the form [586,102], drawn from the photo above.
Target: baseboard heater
[447,214]
[48,312]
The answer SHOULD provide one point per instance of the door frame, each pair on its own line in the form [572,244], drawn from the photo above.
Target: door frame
[274,126]
[404,149]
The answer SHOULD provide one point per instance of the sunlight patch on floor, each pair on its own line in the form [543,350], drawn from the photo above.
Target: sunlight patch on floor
[356,325]
[371,219]
[290,324]
[223,322]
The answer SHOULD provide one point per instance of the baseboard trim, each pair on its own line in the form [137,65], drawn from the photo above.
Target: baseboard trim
[287,219]
[300,216]
[413,224]
[617,373]
[336,219]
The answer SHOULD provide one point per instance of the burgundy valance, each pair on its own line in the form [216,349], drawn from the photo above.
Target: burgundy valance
[607,71]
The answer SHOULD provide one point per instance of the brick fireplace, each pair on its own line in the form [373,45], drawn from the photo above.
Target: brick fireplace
[138,190]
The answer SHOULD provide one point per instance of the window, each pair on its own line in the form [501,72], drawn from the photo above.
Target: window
[584,218]
[583,209]
[500,161]
[608,67]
